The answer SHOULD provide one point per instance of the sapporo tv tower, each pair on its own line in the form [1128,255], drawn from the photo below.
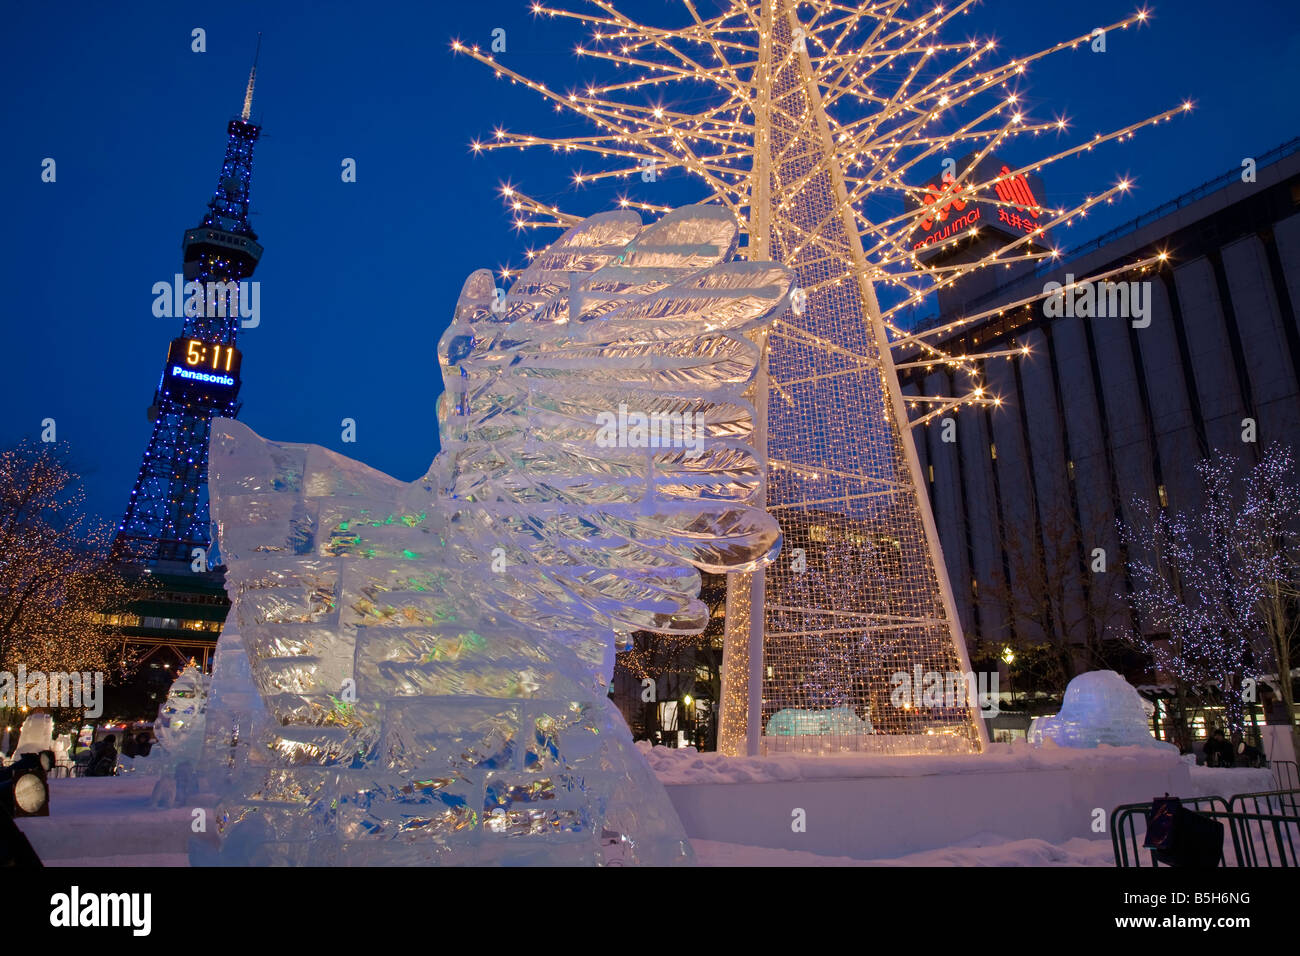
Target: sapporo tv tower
[166,526]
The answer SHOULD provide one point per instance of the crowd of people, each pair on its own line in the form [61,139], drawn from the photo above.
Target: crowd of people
[104,753]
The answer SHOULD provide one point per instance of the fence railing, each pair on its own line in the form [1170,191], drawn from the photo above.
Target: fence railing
[1264,826]
[1267,801]
[1262,839]
[1123,828]
[1285,773]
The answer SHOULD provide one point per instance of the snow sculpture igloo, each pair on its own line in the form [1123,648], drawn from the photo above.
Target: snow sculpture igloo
[1100,707]
[434,656]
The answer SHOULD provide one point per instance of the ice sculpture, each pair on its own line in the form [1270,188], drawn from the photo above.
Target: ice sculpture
[178,730]
[179,725]
[435,655]
[796,722]
[236,716]
[1100,707]
[35,735]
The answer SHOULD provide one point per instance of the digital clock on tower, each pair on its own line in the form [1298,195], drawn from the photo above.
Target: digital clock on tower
[202,367]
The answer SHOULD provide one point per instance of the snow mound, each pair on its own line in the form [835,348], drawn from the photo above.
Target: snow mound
[983,850]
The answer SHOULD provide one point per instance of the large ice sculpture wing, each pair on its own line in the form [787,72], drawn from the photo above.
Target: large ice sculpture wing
[593,428]
[436,655]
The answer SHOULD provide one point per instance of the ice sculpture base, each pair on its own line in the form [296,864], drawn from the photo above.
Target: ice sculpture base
[420,808]
[378,817]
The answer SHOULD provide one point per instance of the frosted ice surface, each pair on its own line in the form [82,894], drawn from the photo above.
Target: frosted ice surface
[35,735]
[235,719]
[178,730]
[1100,707]
[178,727]
[795,722]
[433,657]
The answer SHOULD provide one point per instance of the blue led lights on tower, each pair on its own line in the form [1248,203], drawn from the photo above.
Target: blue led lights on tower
[167,516]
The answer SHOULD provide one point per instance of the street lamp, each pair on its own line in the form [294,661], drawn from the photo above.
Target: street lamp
[1009,658]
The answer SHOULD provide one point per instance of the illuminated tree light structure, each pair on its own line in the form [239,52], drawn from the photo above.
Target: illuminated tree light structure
[167,516]
[823,118]
[1215,584]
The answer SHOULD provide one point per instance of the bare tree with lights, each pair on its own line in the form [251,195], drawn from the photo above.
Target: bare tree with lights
[815,123]
[1053,602]
[1220,585]
[57,591]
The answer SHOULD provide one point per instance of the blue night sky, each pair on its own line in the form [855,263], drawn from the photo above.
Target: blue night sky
[359,279]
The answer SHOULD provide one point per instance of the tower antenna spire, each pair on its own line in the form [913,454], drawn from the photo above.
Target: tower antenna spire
[252,77]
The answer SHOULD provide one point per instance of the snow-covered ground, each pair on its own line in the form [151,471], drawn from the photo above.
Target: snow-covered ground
[983,850]
[110,822]
[93,820]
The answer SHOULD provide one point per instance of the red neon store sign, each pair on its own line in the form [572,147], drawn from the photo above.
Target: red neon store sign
[1016,192]
[933,196]
[1013,190]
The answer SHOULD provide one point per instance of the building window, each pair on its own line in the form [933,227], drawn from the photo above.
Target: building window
[993,450]
[1164,498]
[118,620]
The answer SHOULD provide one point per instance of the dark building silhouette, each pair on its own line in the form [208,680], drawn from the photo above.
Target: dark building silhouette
[1102,411]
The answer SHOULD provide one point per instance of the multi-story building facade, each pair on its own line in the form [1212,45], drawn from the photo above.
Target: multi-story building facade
[1104,410]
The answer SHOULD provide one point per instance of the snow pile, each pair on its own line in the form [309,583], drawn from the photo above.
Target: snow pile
[688,766]
[987,849]
[108,821]
[1227,782]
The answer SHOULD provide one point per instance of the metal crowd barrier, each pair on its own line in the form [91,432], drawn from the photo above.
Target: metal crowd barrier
[1262,839]
[1264,826]
[1123,830]
[1285,773]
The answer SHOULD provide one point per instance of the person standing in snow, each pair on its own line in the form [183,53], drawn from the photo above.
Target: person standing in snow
[103,758]
[1218,752]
